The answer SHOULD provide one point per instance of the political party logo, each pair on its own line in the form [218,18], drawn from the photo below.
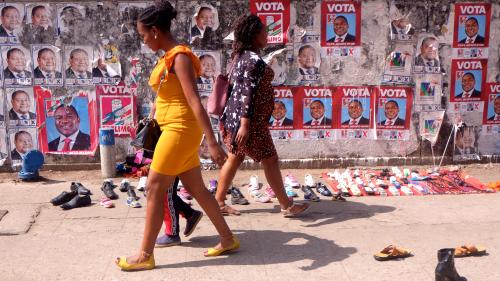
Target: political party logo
[397,62]
[430,126]
[427,90]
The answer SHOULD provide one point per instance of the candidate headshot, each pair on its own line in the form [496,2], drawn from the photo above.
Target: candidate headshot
[391,110]
[279,115]
[23,142]
[21,105]
[47,67]
[40,17]
[208,66]
[78,65]
[355,110]
[468,83]
[70,137]
[402,26]
[496,110]
[204,22]
[428,53]
[11,20]
[340,27]
[16,64]
[471,32]
[307,60]
[465,141]
[317,111]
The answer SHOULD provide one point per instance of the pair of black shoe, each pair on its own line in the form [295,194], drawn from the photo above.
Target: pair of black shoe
[79,196]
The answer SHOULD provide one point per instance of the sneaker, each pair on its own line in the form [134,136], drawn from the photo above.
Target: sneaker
[270,192]
[309,194]
[292,181]
[323,190]
[131,193]
[124,185]
[62,198]
[290,192]
[309,181]
[237,197]
[106,202]
[107,189]
[192,222]
[212,186]
[254,183]
[142,184]
[82,190]
[132,202]
[167,241]
[184,193]
[260,197]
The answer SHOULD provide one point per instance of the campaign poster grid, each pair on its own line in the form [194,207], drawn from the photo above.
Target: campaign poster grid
[393,112]
[11,29]
[47,65]
[276,17]
[20,106]
[16,61]
[22,141]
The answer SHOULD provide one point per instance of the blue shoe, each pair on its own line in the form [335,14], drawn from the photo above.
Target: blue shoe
[167,241]
[290,192]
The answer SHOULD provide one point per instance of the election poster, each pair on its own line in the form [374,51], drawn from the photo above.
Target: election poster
[22,141]
[78,65]
[40,23]
[340,23]
[282,117]
[20,106]
[308,57]
[12,22]
[3,117]
[117,108]
[313,109]
[427,55]
[428,92]
[430,125]
[204,23]
[472,25]
[466,143]
[492,112]
[354,117]
[401,29]
[47,65]
[3,147]
[393,112]
[398,65]
[276,17]
[69,121]
[210,69]
[106,69]
[467,80]
[16,61]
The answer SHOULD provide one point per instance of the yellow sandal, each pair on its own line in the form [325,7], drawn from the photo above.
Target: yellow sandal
[145,265]
[213,252]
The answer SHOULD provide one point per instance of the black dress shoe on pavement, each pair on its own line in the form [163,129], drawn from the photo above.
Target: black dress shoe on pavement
[107,189]
[237,197]
[78,187]
[76,202]
[63,198]
[192,222]
[309,194]
[131,193]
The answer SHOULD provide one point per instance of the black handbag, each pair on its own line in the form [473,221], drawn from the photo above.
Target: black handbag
[147,135]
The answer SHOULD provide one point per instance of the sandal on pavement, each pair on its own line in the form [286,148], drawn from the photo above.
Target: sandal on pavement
[226,210]
[107,203]
[469,250]
[145,265]
[295,210]
[392,252]
[213,252]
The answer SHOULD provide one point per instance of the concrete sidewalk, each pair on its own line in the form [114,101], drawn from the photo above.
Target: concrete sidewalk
[334,241]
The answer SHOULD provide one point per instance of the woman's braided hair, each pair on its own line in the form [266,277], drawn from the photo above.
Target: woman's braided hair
[246,27]
[160,15]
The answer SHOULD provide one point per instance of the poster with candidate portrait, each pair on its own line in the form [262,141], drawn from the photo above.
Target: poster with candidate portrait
[47,65]
[467,80]
[22,141]
[70,121]
[427,55]
[340,23]
[11,27]
[210,68]
[3,147]
[354,117]
[313,108]
[3,116]
[78,65]
[40,22]
[472,25]
[492,106]
[398,65]
[204,23]
[281,123]
[393,112]
[466,143]
[106,68]
[430,124]
[308,58]
[276,17]
[20,106]
[16,61]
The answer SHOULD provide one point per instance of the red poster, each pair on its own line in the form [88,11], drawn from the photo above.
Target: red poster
[467,80]
[340,23]
[393,112]
[117,108]
[356,107]
[67,124]
[313,107]
[492,106]
[472,25]
[275,14]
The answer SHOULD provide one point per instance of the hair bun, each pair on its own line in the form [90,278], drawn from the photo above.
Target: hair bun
[166,8]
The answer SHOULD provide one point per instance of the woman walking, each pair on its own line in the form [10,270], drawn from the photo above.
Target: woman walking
[183,121]
[245,120]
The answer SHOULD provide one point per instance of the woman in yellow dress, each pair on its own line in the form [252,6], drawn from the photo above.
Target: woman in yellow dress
[183,121]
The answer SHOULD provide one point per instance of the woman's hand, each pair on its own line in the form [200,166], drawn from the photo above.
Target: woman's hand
[218,154]
[243,131]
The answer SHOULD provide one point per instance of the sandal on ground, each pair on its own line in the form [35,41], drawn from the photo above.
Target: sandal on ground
[469,250]
[145,265]
[226,210]
[213,252]
[106,202]
[392,252]
[295,210]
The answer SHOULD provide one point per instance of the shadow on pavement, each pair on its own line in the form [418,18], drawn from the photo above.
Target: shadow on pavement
[263,247]
[49,181]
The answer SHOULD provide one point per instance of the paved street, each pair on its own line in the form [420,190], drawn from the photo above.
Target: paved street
[334,241]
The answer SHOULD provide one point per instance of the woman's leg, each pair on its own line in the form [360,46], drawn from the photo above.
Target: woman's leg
[171,215]
[193,181]
[275,180]
[226,176]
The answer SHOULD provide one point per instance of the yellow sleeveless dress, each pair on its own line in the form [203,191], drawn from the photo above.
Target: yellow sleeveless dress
[177,149]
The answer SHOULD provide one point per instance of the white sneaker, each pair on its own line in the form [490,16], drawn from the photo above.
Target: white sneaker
[141,186]
[309,181]
[254,183]
[292,181]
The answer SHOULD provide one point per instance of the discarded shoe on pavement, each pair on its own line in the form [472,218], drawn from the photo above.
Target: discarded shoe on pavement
[445,269]
[77,202]
[62,198]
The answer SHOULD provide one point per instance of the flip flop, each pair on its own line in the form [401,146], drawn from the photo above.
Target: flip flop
[392,252]
[228,211]
[469,250]
[107,203]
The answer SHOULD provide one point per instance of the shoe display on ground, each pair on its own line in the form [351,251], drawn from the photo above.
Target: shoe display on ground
[292,181]
[141,186]
[132,202]
[290,192]
[309,194]
[78,187]
[107,189]
[254,183]
[237,197]
[270,192]
[323,190]
[167,241]
[77,202]
[260,197]
[62,198]
[131,193]
[124,185]
[309,181]
[192,222]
